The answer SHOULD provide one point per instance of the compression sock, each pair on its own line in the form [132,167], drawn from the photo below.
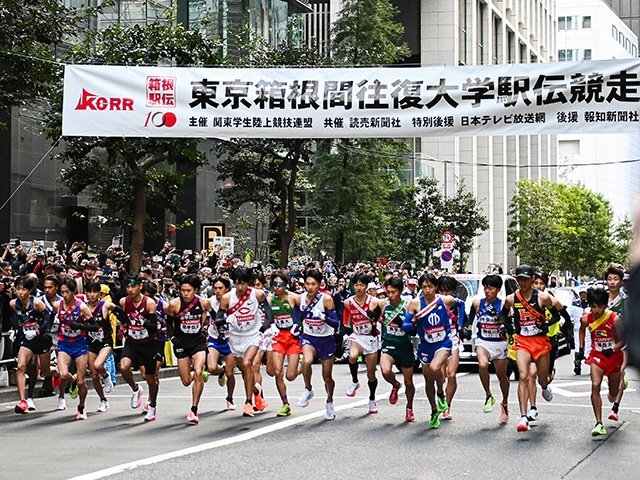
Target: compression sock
[615,407]
[372,389]
[194,409]
[353,368]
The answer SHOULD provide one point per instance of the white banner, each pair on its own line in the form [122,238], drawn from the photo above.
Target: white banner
[514,99]
[223,246]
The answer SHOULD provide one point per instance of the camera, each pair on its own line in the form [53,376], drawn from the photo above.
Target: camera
[7,282]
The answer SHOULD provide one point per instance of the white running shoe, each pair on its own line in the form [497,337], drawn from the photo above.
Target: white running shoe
[331,412]
[151,414]
[305,398]
[373,406]
[107,384]
[31,405]
[104,406]
[533,414]
[62,404]
[547,394]
[136,398]
[352,389]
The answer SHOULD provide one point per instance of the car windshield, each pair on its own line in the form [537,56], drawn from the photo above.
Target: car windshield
[467,288]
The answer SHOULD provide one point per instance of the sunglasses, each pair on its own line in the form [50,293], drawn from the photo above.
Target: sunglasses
[278,284]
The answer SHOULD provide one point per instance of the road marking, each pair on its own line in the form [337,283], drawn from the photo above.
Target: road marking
[557,388]
[125,467]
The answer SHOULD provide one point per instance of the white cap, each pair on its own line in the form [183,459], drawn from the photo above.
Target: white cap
[372,285]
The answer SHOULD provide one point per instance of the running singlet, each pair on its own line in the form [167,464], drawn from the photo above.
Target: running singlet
[313,319]
[243,315]
[603,331]
[48,305]
[188,321]
[617,304]
[65,317]
[31,322]
[360,321]
[161,334]
[488,323]
[104,325]
[136,332]
[526,313]
[392,320]
[282,312]
[433,321]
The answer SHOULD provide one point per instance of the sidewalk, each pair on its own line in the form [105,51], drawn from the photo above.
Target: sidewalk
[10,393]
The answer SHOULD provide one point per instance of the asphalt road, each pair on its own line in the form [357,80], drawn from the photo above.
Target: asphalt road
[49,444]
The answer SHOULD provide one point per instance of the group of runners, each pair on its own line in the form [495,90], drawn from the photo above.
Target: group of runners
[242,322]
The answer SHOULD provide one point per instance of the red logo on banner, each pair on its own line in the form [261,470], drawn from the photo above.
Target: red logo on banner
[91,101]
[161,119]
[161,92]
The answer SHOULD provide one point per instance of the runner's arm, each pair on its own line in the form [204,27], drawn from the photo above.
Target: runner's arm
[581,337]
[331,317]
[408,325]
[268,314]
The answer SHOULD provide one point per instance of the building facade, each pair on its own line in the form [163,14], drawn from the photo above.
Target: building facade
[629,13]
[591,30]
[487,32]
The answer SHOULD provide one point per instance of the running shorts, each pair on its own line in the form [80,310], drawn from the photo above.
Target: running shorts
[456,344]
[74,349]
[536,345]
[240,343]
[369,343]
[286,344]
[186,347]
[496,350]
[221,346]
[325,347]
[610,365]
[401,352]
[38,345]
[96,345]
[141,354]
[266,343]
[427,351]
[160,344]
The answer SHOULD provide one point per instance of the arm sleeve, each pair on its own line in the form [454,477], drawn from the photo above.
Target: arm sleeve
[555,315]
[120,315]
[297,315]
[408,325]
[564,314]
[151,323]
[170,322]
[462,314]
[331,318]
[221,318]
[472,315]
[268,314]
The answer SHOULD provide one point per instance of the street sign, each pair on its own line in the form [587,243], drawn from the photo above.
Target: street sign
[446,260]
[447,237]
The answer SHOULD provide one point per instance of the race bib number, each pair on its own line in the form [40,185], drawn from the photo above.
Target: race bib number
[190,327]
[395,330]
[138,333]
[490,330]
[97,336]
[69,332]
[362,328]
[435,336]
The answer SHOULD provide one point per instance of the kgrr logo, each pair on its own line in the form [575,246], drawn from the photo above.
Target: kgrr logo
[161,119]
[91,101]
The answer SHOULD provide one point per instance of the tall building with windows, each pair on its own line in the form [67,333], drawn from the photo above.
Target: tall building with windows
[487,32]
[591,30]
[629,13]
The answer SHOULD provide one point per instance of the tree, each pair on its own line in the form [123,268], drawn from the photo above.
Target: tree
[127,174]
[365,33]
[266,171]
[622,237]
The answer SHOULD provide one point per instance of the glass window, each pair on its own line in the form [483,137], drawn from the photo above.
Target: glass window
[562,23]
[586,22]
[565,55]
[587,54]
[614,32]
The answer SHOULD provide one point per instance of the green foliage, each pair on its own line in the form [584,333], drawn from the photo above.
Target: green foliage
[565,227]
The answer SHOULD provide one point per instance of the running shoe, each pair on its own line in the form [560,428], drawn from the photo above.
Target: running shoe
[31,405]
[145,407]
[21,407]
[446,415]
[613,416]
[393,397]
[489,403]
[625,381]
[330,414]
[285,411]
[434,421]
[352,389]
[409,416]
[441,403]
[222,379]
[107,384]
[231,407]
[62,404]
[305,398]
[533,414]
[192,418]
[373,406]
[504,414]
[261,405]
[73,389]
[523,424]
[81,415]
[547,394]
[152,414]
[104,406]
[136,398]
[205,375]
[598,430]
[248,410]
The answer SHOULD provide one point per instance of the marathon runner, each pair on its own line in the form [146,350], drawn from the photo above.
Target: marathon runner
[360,319]
[617,300]
[397,348]
[187,320]
[319,322]
[606,357]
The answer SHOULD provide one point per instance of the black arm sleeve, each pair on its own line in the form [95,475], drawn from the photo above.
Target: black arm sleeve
[555,315]
[472,315]
[564,314]
[268,314]
[151,323]
[170,321]
[221,318]
[120,315]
